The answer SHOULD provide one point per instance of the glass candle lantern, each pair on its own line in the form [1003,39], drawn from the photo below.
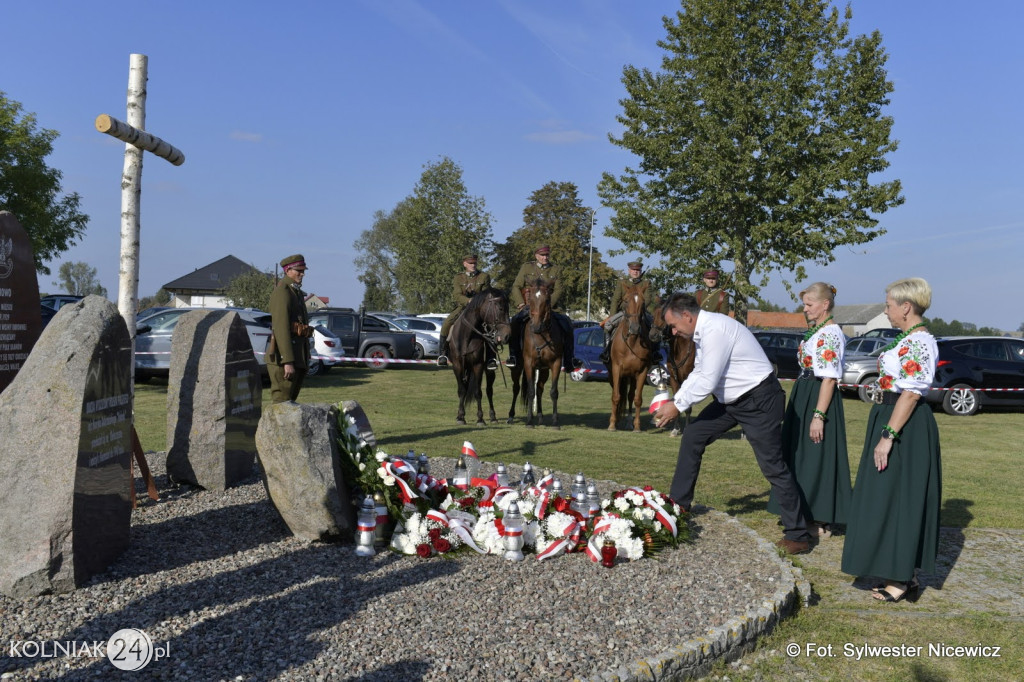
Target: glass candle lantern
[366,525]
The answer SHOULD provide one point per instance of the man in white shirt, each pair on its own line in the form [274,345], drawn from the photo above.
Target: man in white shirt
[731,366]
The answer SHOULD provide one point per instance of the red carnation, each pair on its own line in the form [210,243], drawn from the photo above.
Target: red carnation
[442,545]
[561,504]
[467,502]
[648,488]
[423,551]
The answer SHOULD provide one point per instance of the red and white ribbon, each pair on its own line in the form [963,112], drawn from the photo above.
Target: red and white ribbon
[660,513]
[571,536]
[601,524]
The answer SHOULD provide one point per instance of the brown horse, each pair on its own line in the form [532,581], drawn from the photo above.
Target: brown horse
[542,356]
[482,326]
[681,356]
[630,353]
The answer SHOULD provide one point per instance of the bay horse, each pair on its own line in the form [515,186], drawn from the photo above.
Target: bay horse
[542,356]
[630,353]
[681,356]
[482,325]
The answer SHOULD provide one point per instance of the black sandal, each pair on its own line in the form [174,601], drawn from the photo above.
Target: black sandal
[909,593]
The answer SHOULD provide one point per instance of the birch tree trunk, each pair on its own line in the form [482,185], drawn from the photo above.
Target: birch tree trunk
[131,194]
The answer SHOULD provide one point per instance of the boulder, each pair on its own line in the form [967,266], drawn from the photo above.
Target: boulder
[298,453]
[214,396]
[65,453]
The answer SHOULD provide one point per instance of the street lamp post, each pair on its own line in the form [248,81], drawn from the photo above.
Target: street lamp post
[590,267]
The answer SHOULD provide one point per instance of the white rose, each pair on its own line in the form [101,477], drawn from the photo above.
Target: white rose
[362,467]
[381,455]
[389,480]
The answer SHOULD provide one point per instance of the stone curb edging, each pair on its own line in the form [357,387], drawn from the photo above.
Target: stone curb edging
[732,639]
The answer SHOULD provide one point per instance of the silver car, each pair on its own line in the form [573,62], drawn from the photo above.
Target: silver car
[153,338]
[428,334]
[863,371]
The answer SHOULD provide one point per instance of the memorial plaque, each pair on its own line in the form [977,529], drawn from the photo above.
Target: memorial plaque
[20,322]
[65,455]
[214,399]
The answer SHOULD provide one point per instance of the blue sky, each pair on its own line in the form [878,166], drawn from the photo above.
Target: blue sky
[299,121]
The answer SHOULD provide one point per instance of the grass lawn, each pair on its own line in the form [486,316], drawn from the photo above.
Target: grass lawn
[413,407]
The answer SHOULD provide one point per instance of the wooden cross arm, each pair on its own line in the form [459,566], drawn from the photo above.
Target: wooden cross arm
[140,138]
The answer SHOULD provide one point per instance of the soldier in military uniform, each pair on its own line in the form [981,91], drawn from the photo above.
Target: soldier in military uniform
[712,297]
[288,352]
[617,309]
[539,268]
[465,286]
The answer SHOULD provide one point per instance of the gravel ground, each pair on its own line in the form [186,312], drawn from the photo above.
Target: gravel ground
[217,578]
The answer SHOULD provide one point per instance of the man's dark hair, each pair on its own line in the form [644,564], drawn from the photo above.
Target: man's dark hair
[679,303]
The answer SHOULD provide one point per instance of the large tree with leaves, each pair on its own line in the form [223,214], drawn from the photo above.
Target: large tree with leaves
[31,190]
[250,289]
[757,141]
[79,279]
[418,247]
[556,217]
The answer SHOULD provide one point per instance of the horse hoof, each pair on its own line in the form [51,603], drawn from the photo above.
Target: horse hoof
[460,421]
[481,423]
[612,428]
[529,426]
[510,420]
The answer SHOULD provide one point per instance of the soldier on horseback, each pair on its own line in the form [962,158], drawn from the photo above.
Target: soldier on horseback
[551,274]
[618,308]
[465,285]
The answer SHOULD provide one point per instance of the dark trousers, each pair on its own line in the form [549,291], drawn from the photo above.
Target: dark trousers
[759,412]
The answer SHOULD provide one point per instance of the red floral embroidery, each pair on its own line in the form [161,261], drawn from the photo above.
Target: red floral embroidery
[821,342]
[808,360]
[904,350]
[885,382]
[911,367]
[829,355]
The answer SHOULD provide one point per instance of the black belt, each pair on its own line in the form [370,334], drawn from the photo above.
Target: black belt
[764,382]
[807,373]
[887,397]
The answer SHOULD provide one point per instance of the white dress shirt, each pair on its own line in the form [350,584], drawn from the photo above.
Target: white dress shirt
[729,362]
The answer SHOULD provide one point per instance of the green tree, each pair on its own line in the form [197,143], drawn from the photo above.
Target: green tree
[251,289]
[756,141]
[376,261]
[79,279]
[161,298]
[556,217]
[418,247]
[31,190]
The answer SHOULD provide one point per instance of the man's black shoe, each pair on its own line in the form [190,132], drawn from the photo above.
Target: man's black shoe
[492,365]
[510,362]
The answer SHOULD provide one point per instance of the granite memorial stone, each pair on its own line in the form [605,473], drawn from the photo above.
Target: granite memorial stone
[20,322]
[214,396]
[65,453]
[299,457]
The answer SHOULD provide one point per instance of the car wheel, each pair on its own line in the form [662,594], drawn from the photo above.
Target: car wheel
[316,368]
[961,400]
[419,353]
[870,388]
[381,352]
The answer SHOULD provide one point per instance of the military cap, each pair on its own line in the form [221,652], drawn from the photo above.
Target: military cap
[711,274]
[295,261]
[469,258]
[542,251]
[635,265]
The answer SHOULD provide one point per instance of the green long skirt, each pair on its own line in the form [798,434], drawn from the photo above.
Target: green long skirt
[894,519]
[822,470]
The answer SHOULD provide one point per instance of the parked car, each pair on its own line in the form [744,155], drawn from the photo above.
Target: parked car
[579,324]
[864,345]
[154,332]
[366,336]
[968,365]
[428,334]
[152,311]
[325,350]
[883,332]
[57,301]
[861,370]
[46,313]
[781,348]
[589,344]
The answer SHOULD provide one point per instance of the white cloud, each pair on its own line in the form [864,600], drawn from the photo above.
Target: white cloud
[246,137]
